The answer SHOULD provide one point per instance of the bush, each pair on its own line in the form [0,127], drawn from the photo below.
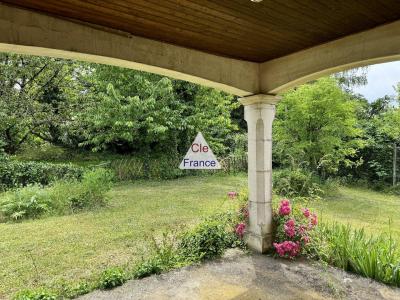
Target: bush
[293,228]
[208,240]
[375,257]
[149,267]
[15,174]
[59,198]
[39,294]
[296,183]
[111,278]
[90,192]
[25,203]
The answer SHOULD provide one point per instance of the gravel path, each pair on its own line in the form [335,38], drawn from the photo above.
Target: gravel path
[252,277]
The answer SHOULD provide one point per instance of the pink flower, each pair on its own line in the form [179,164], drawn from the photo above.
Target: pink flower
[287,248]
[290,229]
[279,249]
[285,202]
[232,194]
[284,208]
[240,229]
[290,223]
[306,212]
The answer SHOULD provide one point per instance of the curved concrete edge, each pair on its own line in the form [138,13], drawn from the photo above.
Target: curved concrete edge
[28,32]
[378,45]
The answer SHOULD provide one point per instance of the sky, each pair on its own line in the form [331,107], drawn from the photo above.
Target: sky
[381,79]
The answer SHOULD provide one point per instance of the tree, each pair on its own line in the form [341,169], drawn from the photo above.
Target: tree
[316,125]
[131,111]
[28,88]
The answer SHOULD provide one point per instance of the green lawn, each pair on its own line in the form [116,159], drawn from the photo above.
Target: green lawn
[46,251]
[362,208]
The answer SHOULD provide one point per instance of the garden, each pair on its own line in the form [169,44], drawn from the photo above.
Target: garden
[91,194]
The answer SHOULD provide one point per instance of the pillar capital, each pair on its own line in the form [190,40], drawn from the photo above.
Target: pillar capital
[260,99]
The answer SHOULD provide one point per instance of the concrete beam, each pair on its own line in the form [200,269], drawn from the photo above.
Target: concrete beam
[378,45]
[29,32]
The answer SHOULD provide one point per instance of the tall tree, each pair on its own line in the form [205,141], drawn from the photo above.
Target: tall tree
[28,88]
[316,126]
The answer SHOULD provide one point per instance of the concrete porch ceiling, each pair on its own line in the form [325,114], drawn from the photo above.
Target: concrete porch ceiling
[240,29]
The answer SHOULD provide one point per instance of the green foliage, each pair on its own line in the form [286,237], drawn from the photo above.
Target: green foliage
[140,167]
[316,124]
[25,203]
[88,193]
[111,278]
[164,256]
[208,240]
[18,173]
[353,250]
[297,182]
[37,294]
[36,99]
[71,291]
[61,197]
[130,111]
[236,160]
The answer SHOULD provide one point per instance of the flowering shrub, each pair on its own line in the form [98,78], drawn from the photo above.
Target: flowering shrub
[293,228]
[240,229]
[242,214]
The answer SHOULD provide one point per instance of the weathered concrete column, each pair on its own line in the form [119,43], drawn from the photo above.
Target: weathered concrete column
[259,113]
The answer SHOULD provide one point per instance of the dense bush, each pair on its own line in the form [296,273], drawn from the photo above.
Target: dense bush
[111,278]
[60,197]
[89,192]
[296,183]
[293,227]
[206,241]
[18,173]
[25,203]
[376,257]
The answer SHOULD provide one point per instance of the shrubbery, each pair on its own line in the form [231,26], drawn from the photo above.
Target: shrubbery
[60,197]
[376,257]
[15,174]
[111,278]
[206,241]
[296,183]
[350,249]
[293,228]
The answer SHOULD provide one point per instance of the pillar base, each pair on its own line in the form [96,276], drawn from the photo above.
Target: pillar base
[258,243]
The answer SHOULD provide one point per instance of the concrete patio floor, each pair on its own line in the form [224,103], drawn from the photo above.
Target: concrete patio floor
[252,277]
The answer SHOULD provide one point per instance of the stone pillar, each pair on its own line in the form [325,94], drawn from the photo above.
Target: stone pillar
[259,113]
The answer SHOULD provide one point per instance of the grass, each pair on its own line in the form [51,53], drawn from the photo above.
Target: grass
[361,208]
[70,248]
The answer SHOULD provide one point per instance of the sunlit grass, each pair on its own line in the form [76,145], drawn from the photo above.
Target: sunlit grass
[50,250]
[46,251]
[362,208]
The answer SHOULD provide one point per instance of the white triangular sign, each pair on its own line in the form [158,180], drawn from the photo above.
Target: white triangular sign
[199,156]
